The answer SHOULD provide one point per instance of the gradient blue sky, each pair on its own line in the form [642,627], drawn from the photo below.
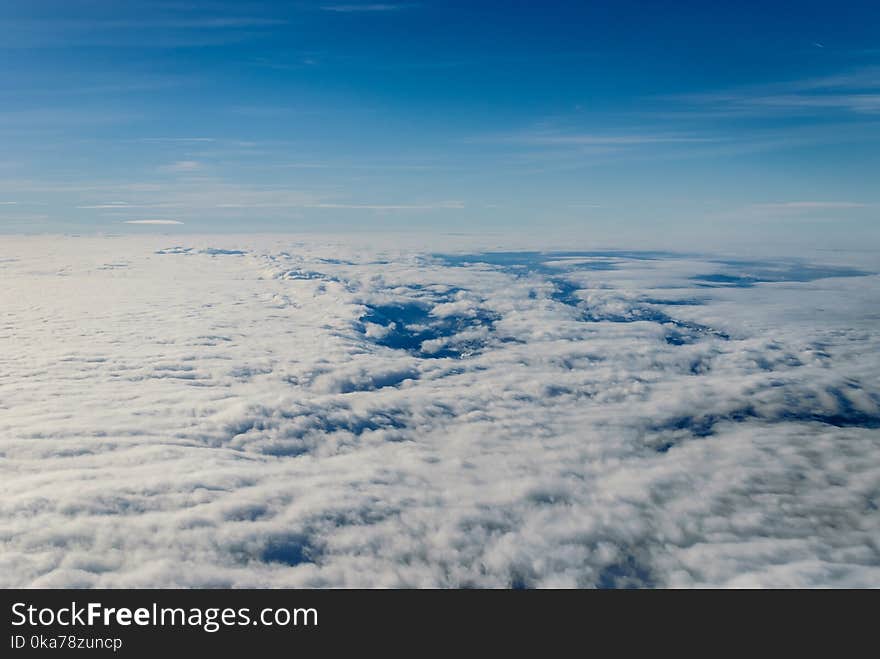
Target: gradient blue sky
[619,118]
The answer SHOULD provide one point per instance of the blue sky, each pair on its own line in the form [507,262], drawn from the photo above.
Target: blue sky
[603,118]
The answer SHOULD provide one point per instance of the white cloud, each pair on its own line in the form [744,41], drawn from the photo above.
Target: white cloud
[109,205]
[849,91]
[182,166]
[296,411]
[185,195]
[368,7]
[601,142]
[811,205]
[389,207]
[177,139]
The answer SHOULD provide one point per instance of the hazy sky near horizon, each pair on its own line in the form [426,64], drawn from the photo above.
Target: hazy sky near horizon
[605,117]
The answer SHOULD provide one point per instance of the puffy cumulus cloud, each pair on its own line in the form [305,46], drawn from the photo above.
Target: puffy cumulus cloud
[280,412]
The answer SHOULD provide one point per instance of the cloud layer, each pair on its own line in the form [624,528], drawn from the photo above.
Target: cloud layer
[281,412]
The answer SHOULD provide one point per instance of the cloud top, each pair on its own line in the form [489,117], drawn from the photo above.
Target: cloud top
[300,411]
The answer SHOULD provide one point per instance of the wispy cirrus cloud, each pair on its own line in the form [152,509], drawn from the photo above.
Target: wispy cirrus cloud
[851,91]
[57,118]
[97,24]
[588,139]
[175,139]
[182,166]
[567,147]
[806,211]
[810,205]
[210,196]
[368,7]
[389,207]
[854,102]
[154,32]
[228,196]
[152,222]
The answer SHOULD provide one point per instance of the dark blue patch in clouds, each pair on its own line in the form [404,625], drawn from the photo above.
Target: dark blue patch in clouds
[626,573]
[698,426]
[846,414]
[214,251]
[519,581]
[175,250]
[565,292]
[674,338]
[537,260]
[518,263]
[410,324]
[674,303]
[800,409]
[744,274]
[247,513]
[679,332]
[301,440]
[741,273]
[290,550]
